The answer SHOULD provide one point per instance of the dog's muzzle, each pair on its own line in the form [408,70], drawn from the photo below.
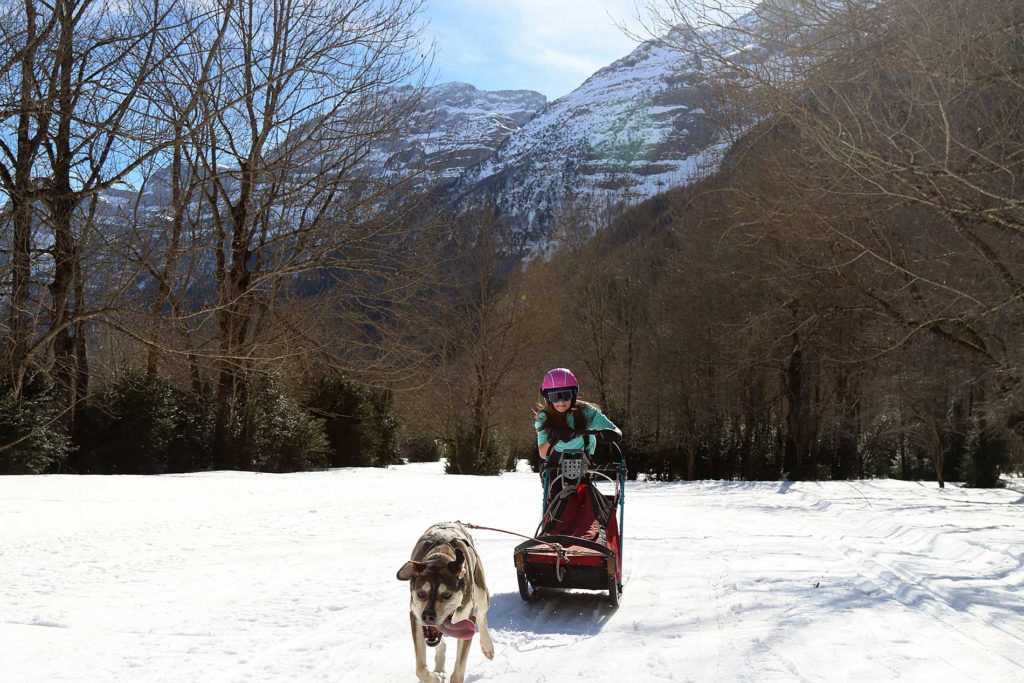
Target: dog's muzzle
[432,636]
[463,630]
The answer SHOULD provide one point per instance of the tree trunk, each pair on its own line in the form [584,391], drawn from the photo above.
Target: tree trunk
[21,190]
[61,287]
[170,263]
[61,201]
[794,378]
[233,325]
[937,464]
[19,322]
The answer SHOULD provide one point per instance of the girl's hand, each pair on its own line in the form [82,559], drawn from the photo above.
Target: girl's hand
[561,434]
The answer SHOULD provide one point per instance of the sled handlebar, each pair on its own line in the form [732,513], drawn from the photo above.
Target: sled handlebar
[603,435]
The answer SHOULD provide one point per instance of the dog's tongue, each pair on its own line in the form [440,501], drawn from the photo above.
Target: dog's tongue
[463,630]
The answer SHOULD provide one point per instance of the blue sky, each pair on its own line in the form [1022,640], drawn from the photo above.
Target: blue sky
[550,46]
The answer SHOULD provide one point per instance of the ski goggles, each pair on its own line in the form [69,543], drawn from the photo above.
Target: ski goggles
[560,395]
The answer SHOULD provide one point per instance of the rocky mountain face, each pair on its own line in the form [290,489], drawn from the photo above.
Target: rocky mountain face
[635,128]
[453,128]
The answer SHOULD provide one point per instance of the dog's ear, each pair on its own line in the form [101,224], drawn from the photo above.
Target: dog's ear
[410,569]
[455,567]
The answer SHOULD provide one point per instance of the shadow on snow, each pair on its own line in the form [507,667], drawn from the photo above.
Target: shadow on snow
[552,611]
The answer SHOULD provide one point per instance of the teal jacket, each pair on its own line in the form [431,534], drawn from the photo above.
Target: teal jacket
[595,420]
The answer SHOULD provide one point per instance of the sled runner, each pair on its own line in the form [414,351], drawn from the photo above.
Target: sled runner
[578,543]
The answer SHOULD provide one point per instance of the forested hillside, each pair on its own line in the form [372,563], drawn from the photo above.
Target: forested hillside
[843,299]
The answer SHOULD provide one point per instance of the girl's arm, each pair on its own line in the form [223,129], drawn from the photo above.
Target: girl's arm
[543,447]
[598,421]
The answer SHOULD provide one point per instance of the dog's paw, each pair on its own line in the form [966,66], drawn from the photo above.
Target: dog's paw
[430,676]
[488,650]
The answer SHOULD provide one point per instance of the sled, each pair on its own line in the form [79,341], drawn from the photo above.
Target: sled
[578,543]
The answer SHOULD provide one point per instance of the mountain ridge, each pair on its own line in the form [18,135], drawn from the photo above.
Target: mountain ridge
[633,129]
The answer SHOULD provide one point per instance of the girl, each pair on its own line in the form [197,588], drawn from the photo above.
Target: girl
[561,417]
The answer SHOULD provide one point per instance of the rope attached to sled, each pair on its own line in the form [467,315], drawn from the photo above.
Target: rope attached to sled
[560,553]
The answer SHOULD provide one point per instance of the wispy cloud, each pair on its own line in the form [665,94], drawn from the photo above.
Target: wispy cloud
[537,44]
[564,60]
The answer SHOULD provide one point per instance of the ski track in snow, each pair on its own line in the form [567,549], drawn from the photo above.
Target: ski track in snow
[231,576]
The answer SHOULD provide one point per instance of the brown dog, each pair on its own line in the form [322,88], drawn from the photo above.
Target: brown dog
[448,596]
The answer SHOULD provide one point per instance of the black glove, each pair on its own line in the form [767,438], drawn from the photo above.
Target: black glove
[609,436]
[561,434]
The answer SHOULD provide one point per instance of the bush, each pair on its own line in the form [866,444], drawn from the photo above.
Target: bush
[361,429]
[424,449]
[191,448]
[127,429]
[986,456]
[465,456]
[277,434]
[643,457]
[31,440]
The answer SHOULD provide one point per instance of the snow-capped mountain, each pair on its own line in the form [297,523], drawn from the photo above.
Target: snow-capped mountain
[453,127]
[635,128]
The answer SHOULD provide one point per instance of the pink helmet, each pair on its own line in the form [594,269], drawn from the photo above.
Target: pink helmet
[559,378]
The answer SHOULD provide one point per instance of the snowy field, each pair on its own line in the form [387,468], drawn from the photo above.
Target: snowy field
[231,576]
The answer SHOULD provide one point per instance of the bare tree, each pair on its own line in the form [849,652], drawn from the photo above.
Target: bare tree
[298,93]
[85,125]
[22,41]
[481,336]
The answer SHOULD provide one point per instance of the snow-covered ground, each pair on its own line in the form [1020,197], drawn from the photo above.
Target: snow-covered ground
[233,576]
